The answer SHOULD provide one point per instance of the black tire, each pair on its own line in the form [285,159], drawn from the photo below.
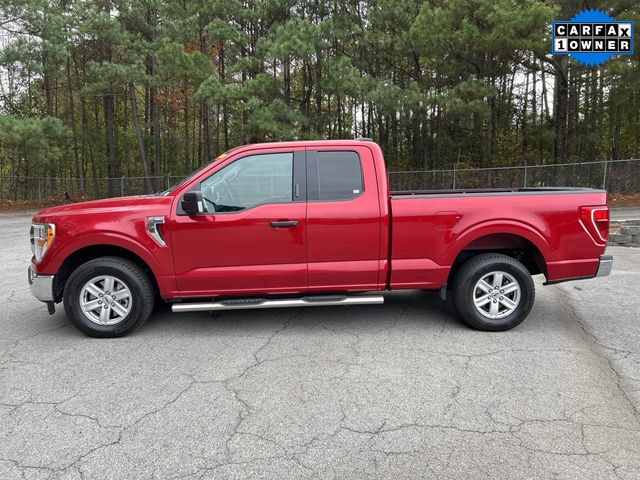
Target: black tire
[464,291]
[139,284]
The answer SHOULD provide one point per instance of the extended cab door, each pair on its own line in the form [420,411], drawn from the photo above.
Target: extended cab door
[343,219]
[251,239]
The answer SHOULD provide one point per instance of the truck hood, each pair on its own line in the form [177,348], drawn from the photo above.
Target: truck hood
[151,204]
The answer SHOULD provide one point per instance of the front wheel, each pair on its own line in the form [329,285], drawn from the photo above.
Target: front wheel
[108,297]
[493,292]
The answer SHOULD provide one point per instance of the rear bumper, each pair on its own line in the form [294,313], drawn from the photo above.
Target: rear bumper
[580,269]
[41,286]
[605,265]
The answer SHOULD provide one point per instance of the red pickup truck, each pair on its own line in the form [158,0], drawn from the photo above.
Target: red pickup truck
[305,224]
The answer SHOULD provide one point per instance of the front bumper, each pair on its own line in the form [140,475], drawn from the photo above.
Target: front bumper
[41,286]
[605,265]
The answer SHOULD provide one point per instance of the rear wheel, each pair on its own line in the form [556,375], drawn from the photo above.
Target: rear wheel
[493,292]
[108,297]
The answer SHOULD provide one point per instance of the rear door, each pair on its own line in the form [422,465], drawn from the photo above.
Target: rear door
[343,219]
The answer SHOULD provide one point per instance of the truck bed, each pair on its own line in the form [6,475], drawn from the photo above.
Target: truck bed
[494,191]
[430,228]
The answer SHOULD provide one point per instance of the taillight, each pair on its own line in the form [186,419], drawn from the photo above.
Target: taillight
[596,221]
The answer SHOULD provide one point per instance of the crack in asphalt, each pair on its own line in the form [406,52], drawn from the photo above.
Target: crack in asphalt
[14,343]
[120,434]
[245,408]
[598,349]
[122,430]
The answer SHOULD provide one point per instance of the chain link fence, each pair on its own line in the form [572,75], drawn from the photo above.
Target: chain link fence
[617,176]
[19,188]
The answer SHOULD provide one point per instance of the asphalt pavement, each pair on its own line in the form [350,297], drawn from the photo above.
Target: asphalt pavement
[402,390]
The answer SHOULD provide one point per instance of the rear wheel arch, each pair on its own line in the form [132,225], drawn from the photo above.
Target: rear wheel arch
[514,245]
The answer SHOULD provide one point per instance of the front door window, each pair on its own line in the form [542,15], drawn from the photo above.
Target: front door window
[248,182]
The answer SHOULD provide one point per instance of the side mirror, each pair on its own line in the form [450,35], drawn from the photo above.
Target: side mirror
[192,203]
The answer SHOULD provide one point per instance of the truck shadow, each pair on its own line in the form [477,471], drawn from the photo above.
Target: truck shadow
[400,308]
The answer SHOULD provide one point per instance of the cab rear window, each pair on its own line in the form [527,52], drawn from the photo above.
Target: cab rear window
[334,175]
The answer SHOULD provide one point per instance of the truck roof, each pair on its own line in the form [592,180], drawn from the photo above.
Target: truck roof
[303,143]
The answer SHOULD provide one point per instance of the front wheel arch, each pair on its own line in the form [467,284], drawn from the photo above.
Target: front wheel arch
[83,255]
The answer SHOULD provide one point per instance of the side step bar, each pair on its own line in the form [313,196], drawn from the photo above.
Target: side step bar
[245,303]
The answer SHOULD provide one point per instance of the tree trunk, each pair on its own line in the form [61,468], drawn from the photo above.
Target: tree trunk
[560,109]
[204,109]
[491,133]
[287,81]
[148,188]
[74,129]
[185,139]
[152,21]
[155,130]
[225,113]
[110,140]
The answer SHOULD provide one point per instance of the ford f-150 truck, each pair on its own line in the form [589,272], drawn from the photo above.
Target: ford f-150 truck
[305,224]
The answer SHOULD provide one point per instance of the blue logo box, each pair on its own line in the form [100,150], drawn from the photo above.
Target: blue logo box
[592,37]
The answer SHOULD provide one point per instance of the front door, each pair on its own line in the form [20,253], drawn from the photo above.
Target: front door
[251,240]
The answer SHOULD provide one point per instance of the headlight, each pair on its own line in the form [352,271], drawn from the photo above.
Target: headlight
[42,235]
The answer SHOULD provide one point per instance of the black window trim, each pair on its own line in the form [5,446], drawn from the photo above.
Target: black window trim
[312,176]
[299,173]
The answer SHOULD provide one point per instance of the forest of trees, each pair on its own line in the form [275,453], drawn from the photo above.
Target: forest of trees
[106,88]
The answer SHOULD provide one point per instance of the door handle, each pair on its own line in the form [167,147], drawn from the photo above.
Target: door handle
[284,223]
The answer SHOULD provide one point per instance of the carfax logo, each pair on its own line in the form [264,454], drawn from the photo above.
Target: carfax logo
[592,37]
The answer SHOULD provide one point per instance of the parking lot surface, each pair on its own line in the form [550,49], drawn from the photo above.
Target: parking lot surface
[402,390]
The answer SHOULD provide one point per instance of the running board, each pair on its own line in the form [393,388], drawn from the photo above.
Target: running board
[246,303]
